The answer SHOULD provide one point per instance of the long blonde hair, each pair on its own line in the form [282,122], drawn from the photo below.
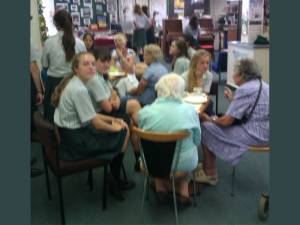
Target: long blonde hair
[191,80]
[59,88]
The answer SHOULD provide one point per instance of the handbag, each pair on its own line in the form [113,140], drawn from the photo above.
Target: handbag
[245,118]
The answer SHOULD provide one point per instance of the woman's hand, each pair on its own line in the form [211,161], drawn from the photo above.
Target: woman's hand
[119,122]
[39,98]
[115,102]
[228,93]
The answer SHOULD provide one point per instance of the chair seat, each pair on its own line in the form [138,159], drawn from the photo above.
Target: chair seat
[207,46]
[70,167]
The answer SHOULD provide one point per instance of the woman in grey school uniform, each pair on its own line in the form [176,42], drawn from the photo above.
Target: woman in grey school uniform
[198,76]
[58,54]
[179,52]
[84,133]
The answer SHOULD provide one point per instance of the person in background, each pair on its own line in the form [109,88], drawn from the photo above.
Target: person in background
[58,53]
[124,59]
[84,133]
[193,29]
[168,113]
[180,61]
[245,124]
[157,26]
[189,43]
[198,76]
[150,30]
[107,100]
[141,23]
[37,96]
[145,92]
[88,39]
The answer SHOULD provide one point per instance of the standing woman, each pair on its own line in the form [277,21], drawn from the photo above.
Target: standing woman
[178,50]
[58,54]
[84,133]
[150,31]
[198,76]
[141,23]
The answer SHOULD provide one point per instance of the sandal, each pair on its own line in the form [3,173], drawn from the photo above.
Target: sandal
[201,177]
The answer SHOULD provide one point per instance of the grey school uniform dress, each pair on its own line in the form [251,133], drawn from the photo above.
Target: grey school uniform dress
[79,140]
[54,59]
[100,89]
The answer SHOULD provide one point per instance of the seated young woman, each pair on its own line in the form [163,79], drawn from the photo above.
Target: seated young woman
[168,113]
[245,123]
[198,76]
[106,98]
[145,92]
[179,52]
[88,39]
[124,59]
[84,133]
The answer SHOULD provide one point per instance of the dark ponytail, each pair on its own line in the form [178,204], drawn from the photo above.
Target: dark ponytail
[63,20]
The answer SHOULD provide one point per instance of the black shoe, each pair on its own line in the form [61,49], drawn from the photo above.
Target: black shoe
[114,188]
[163,198]
[183,202]
[36,172]
[126,185]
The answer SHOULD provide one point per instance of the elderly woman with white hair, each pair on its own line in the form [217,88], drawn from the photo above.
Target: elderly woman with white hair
[168,113]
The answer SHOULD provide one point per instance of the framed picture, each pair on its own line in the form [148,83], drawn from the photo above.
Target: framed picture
[74,7]
[101,20]
[87,3]
[76,1]
[99,1]
[86,21]
[87,12]
[60,6]
[76,18]
[99,9]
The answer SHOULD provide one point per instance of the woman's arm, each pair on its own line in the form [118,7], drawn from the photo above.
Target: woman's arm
[35,73]
[100,122]
[223,121]
[140,88]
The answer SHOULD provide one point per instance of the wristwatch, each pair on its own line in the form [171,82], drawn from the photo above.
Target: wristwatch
[214,118]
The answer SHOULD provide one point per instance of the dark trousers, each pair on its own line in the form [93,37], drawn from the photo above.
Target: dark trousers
[51,83]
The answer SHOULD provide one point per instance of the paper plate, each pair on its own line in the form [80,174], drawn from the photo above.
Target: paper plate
[116,74]
[195,99]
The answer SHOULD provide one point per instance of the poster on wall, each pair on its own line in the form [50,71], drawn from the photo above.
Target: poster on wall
[179,7]
[87,12]
[66,1]
[75,18]
[86,21]
[256,12]
[87,3]
[76,2]
[101,20]
[60,6]
[99,1]
[99,9]
[74,7]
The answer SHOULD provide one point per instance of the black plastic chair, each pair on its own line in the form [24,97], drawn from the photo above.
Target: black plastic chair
[50,140]
[157,151]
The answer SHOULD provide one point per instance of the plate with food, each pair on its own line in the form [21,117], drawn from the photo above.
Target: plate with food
[195,99]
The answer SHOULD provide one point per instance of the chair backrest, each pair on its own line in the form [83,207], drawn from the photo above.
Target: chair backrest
[48,138]
[158,150]
[172,25]
[259,149]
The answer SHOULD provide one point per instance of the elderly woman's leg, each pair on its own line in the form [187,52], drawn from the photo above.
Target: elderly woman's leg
[209,162]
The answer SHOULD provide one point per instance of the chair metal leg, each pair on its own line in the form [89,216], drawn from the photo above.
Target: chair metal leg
[174,199]
[46,173]
[232,181]
[143,197]
[217,99]
[61,201]
[195,190]
[124,172]
[148,188]
[104,187]
[90,180]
